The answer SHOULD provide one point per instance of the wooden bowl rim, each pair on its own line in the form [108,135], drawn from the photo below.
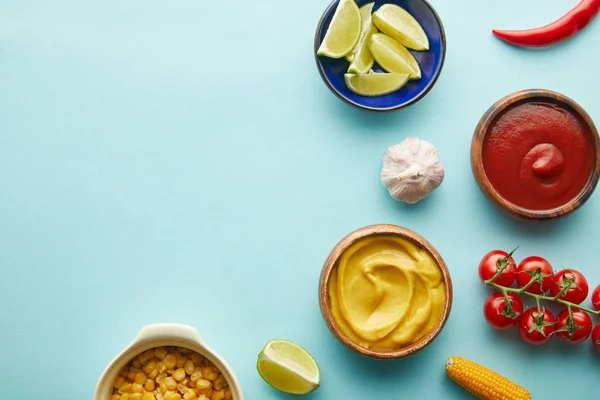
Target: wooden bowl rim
[482,129]
[331,263]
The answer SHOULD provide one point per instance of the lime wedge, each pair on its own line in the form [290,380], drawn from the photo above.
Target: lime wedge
[360,57]
[375,84]
[288,367]
[343,32]
[393,57]
[397,23]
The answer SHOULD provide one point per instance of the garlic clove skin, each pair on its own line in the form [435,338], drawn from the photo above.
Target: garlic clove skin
[411,170]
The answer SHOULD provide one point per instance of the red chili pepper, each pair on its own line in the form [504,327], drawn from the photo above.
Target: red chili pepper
[558,31]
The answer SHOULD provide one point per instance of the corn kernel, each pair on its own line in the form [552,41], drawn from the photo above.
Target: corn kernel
[149,396]
[135,396]
[190,395]
[228,395]
[115,397]
[150,385]
[174,396]
[189,367]
[153,374]
[197,374]
[218,395]
[137,388]
[137,363]
[125,388]
[203,384]
[150,366]
[131,376]
[160,352]
[118,382]
[140,378]
[209,374]
[161,367]
[124,396]
[219,383]
[163,387]
[170,383]
[181,362]
[170,361]
[160,378]
[179,374]
[183,350]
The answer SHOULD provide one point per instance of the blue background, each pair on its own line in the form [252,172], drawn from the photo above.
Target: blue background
[182,161]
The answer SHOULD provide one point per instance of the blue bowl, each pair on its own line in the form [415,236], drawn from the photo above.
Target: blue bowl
[431,62]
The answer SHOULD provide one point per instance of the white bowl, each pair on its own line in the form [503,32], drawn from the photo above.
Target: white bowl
[158,335]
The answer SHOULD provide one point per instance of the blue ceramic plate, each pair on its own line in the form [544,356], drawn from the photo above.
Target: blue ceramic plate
[332,70]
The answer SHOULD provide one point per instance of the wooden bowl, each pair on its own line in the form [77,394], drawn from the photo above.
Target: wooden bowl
[331,263]
[482,129]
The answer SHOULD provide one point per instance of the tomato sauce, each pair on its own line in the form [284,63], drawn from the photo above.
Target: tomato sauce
[538,155]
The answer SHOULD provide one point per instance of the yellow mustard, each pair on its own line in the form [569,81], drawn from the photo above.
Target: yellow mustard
[386,292]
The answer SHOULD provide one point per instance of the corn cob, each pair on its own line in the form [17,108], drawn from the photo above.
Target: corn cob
[482,382]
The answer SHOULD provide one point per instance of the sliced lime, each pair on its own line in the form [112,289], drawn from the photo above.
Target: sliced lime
[397,23]
[343,32]
[360,56]
[288,367]
[393,57]
[375,84]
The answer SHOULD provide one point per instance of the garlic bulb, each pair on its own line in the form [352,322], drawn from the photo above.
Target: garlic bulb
[411,170]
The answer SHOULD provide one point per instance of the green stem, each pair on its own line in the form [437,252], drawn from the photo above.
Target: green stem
[539,297]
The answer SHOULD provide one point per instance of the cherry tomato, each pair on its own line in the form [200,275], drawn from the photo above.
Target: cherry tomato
[501,314]
[596,298]
[492,262]
[596,337]
[539,270]
[576,283]
[536,328]
[575,331]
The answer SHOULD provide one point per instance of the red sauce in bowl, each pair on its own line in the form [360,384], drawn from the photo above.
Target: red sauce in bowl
[539,155]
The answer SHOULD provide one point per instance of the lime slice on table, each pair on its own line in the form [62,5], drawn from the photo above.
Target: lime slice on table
[393,57]
[288,367]
[362,60]
[397,23]
[375,84]
[343,32]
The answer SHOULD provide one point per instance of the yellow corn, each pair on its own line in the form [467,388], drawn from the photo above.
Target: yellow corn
[203,384]
[482,382]
[140,378]
[170,361]
[160,352]
[170,373]
[150,385]
[179,374]
[171,383]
